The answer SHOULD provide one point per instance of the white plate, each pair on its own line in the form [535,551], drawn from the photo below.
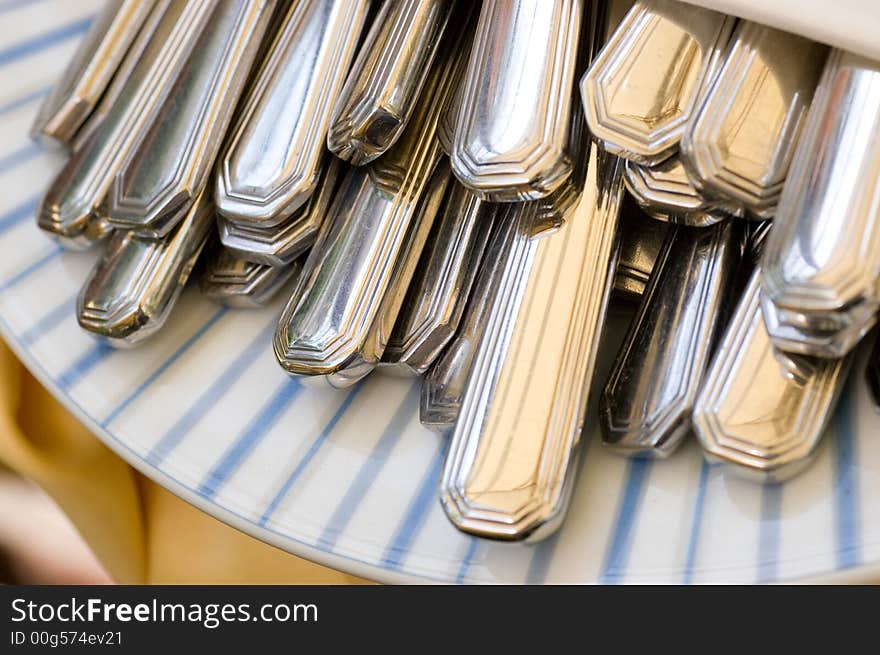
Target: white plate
[349,479]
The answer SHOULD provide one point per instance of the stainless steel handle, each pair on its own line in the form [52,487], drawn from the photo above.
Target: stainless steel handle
[137,281]
[385,80]
[336,327]
[513,450]
[437,295]
[644,85]
[512,138]
[647,402]
[740,144]
[89,74]
[68,210]
[170,165]
[274,155]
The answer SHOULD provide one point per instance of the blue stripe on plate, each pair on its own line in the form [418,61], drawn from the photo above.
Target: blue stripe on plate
[539,565]
[45,40]
[369,470]
[24,210]
[20,156]
[210,397]
[617,553]
[49,320]
[83,364]
[846,480]
[768,533]
[265,418]
[417,512]
[12,105]
[31,268]
[9,5]
[466,560]
[696,523]
[177,354]
[310,453]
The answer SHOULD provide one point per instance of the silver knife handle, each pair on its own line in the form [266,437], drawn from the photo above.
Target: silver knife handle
[336,325]
[644,85]
[136,282]
[665,192]
[385,80]
[647,402]
[275,151]
[85,80]
[740,144]
[512,133]
[513,450]
[435,300]
[236,282]
[823,253]
[761,410]
[170,166]
[69,209]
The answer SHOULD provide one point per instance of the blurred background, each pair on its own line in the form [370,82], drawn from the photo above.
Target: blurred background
[38,543]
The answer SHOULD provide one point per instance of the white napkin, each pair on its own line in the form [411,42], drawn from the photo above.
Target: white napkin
[849,24]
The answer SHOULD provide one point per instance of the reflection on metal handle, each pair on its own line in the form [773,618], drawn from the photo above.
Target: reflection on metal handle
[646,405]
[280,245]
[170,165]
[513,450]
[821,264]
[275,151]
[439,290]
[443,385]
[383,86]
[336,326]
[740,144]
[664,192]
[82,85]
[69,208]
[760,409]
[137,281]
[240,283]
[512,138]
[643,87]
[641,239]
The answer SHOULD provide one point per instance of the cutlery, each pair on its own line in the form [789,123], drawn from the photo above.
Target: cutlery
[335,329]
[646,405]
[761,410]
[641,239]
[436,297]
[643,87]
[822,259]
[69,209]
[443,384]
[513,451]
[385,80]
[90,72]
[170,166]
[739,145]
[274,153]
[135,284]
[280,245]
[664,192]
[512,138]
[818,335]
[239,283]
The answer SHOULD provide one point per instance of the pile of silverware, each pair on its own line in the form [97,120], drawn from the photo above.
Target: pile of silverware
[440,189]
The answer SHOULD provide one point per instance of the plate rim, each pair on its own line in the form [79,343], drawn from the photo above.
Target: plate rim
[866,573]
[343,563]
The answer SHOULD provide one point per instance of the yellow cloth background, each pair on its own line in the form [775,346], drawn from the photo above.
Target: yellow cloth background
[139,531]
